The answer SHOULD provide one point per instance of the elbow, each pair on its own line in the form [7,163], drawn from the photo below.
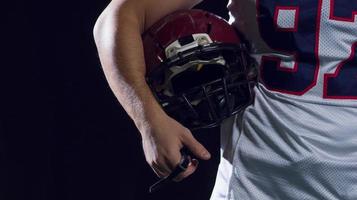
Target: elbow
[121,13]
[104,22]
[98,29]
[95,32]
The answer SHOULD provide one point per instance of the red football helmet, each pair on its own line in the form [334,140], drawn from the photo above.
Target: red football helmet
[198,68]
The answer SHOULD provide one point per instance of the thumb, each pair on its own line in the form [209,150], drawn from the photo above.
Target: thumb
[195,147]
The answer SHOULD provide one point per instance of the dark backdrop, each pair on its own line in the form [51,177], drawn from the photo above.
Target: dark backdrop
[63,135]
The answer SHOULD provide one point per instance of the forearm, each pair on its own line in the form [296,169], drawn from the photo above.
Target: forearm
[118,38]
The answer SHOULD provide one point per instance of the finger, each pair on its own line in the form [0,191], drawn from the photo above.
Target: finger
[173,159]
[190,170]
[163,166]
[159,171]
[195,147]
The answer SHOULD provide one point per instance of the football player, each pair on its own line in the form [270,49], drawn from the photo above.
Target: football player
[298,140]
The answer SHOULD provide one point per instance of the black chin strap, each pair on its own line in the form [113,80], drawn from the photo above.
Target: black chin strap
[181,167]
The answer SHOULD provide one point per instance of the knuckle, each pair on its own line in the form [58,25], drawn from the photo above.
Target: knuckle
[173,155]
[154,162]
[186,130]
[160,165]
[172,163]
[165,174]
[186,133]
[172,166]
[160,174]
[157,172]
[150,162]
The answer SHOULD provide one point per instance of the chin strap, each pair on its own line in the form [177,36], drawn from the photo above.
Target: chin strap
[181,167]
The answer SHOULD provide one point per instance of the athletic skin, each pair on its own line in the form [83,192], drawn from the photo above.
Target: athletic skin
[299,138]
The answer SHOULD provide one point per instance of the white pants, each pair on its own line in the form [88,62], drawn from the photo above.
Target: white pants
[220,190]
[229,138]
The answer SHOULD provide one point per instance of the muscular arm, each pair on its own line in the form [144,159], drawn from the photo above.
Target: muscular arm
[118,38]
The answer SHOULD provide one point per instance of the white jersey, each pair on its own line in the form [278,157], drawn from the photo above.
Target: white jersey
[299,138]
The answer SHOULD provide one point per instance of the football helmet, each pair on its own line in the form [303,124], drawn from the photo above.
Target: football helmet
[198,68]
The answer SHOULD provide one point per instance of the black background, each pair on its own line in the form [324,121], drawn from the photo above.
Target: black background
[63,135]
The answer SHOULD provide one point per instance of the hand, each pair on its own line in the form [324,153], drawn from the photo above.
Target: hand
[162,140]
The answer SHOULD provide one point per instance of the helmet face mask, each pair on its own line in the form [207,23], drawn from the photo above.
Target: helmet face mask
[199,80]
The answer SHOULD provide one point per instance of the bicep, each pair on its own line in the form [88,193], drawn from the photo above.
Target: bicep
[143,13]
[157,9]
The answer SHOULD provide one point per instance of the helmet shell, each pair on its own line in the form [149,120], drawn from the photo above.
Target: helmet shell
[181,24]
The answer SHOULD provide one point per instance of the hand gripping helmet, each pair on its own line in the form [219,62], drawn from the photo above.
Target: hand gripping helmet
[198,68]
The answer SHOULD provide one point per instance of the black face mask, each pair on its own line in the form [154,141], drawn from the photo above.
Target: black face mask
[204,93]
